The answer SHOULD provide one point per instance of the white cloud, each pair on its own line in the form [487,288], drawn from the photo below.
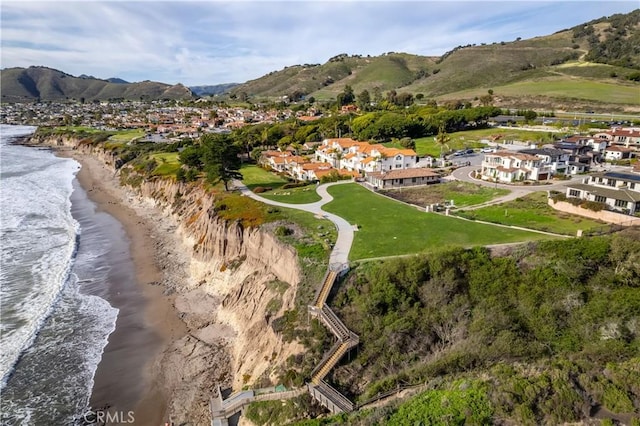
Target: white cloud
[211,42]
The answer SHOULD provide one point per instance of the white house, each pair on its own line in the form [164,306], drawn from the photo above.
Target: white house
[620,191]
[363,157]
[557,159]
[615,153]
[509,167]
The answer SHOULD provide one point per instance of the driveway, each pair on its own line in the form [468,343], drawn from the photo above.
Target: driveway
[340,253]
[464,174]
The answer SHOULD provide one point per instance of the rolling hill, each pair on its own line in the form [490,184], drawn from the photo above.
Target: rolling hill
[33,83]
[601,54]
[595,62]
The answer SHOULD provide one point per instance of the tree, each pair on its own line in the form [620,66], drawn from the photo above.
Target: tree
[364,100]
[408,143]
[346,97]
[221,160]
[442,139]
[486,100]
[191,156]
[377,95]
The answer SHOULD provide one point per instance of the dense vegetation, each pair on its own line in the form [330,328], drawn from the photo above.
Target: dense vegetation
[618,43]
[552,329]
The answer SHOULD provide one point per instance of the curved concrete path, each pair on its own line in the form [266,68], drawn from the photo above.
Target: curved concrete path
[516,191]
[340,254]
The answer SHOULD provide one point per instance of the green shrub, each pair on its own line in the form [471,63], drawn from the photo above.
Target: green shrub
[283,231]
[592,205]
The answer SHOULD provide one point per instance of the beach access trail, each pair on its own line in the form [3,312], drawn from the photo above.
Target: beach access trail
[340,252]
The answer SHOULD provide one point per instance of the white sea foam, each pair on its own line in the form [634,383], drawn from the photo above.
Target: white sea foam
[39,240]
[57,332]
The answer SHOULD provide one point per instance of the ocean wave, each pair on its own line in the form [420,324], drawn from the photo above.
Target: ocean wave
[39,238]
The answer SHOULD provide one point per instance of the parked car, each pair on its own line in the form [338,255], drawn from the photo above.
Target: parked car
[487,150]
[469,151]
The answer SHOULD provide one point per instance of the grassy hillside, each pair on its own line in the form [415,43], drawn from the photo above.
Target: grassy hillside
[604,51]
[28,84]
[383,73]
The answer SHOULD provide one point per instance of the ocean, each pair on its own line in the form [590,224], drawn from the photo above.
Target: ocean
[54,319]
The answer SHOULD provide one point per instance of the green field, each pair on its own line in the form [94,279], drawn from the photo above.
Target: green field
[389,228]
[576,88]
[77,129]
[168,163]
[254,176]
[303,195]
[533,212]
[127,135]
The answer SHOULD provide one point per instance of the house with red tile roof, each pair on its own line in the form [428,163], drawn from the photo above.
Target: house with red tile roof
[626,137]
[616,152]
[363,157]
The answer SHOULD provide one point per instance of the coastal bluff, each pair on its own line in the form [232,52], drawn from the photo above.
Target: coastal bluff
[218,274]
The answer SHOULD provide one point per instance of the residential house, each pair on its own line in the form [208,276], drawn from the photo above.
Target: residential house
[509,167]
[311,171]
[620,191]
[363,157]
[579,153]
[402,178]
[557,159]
[616,153]
[626,137]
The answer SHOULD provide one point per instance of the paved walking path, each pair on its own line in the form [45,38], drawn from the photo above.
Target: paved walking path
[340,252]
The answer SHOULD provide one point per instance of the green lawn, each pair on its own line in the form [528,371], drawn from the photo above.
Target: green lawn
[84,129]
[254,176]
[126,135]
[564,87]
[575,88]
[168,163]
[303,195]
[533,212]
[388,228]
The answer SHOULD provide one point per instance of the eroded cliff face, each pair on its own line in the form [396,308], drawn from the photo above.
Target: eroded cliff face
[230,283]
[243,269]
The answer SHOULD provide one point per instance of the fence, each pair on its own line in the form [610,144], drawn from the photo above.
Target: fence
[603,215]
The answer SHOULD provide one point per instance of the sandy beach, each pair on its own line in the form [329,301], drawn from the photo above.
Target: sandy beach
[128,376]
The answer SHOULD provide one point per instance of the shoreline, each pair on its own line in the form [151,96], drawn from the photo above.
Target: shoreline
[130,366]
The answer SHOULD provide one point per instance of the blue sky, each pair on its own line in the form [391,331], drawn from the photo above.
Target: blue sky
[211,42]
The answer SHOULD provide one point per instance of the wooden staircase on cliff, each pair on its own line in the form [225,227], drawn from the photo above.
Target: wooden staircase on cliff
[318,388]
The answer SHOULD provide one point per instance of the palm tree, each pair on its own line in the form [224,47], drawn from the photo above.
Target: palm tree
[379,159]
[442,139]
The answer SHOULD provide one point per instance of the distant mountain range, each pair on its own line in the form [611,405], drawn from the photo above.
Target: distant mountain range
[216,89]
[598,61]
[29,84]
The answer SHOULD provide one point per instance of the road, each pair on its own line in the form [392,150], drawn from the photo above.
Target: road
[464,174]
[340,252]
